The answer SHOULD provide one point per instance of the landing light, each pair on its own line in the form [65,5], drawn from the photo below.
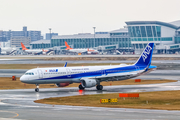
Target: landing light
[81,92]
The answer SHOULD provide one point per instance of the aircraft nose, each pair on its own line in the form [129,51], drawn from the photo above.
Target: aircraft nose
[23,78]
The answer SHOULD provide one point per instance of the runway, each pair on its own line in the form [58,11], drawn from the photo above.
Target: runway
[19,104]
[42,61]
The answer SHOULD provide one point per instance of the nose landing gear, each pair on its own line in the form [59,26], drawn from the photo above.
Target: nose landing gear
[37,88]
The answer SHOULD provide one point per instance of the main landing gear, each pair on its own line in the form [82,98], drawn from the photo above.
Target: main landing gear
[37,88]
[81,87]
[99,87]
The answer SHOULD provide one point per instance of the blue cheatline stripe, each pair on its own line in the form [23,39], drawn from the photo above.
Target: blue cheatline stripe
[98,73]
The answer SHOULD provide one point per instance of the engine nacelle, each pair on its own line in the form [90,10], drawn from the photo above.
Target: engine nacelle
[87,83]
[88,53]
[62,84]
[44,53]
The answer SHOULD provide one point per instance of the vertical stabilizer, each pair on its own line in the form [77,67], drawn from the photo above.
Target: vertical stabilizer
[146,56]
[23,47]
[67,46]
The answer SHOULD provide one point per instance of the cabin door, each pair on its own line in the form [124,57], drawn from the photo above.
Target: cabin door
[68,72]
[103,72]
[40,73]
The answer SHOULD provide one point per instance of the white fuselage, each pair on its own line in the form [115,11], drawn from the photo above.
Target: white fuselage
[74,74]
[7,50]
[90,76]
[36,51]
[83,50]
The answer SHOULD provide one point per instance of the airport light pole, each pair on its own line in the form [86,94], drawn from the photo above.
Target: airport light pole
[50,33]
[94,35]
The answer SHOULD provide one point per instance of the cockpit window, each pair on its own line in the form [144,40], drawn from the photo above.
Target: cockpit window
[29,73]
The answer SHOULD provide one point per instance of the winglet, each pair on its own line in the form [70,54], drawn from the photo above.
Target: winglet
[67,46]
[146,56]
[23,47]
[65,64]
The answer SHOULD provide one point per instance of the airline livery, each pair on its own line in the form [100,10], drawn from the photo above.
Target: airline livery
[90,76]
[8,50]
[34,51]
[89,51]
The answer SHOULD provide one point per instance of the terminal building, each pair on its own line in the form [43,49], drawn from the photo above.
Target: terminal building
[166,36]
[133,37]
[117,39]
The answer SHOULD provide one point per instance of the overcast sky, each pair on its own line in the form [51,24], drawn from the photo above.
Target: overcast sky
[79,16]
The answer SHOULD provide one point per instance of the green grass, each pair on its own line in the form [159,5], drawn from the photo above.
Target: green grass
[166,100]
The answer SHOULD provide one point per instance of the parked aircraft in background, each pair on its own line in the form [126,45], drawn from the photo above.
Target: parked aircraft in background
[8,50]
[90,76]
[34,51]
[88,51]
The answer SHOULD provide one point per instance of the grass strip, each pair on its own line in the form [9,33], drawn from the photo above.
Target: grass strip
[163,100]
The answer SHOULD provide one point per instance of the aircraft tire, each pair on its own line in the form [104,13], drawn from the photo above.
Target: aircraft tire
[81,87]
[37,90]
[99,87]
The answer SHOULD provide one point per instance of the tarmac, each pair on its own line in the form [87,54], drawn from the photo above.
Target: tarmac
[109,55]
[18,104]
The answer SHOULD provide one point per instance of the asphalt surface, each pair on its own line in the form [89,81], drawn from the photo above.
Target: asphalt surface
[41,61]
[49,56]
[19,104]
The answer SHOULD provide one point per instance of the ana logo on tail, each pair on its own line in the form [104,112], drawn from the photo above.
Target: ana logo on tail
[146,52]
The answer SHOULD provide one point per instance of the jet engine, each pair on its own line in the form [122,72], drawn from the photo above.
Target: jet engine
[88,53]
[62,84]
[87,83]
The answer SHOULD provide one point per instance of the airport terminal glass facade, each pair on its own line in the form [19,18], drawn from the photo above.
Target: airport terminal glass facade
[87,40]
[177,39]
[146,33]
[143,32]
[40,46]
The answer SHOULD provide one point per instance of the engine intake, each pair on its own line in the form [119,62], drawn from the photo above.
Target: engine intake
[88,83]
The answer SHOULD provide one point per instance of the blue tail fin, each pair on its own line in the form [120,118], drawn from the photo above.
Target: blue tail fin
[146,56]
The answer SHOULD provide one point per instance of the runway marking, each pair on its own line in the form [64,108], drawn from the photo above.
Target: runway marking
[12,113]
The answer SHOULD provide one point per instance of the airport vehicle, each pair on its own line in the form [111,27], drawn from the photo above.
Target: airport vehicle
[88,51]
[34,51]
[90,76]
[8,50]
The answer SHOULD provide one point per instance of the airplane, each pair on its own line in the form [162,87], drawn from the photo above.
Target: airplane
[34,51]
[88,51]
[8,50]
[90,76]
